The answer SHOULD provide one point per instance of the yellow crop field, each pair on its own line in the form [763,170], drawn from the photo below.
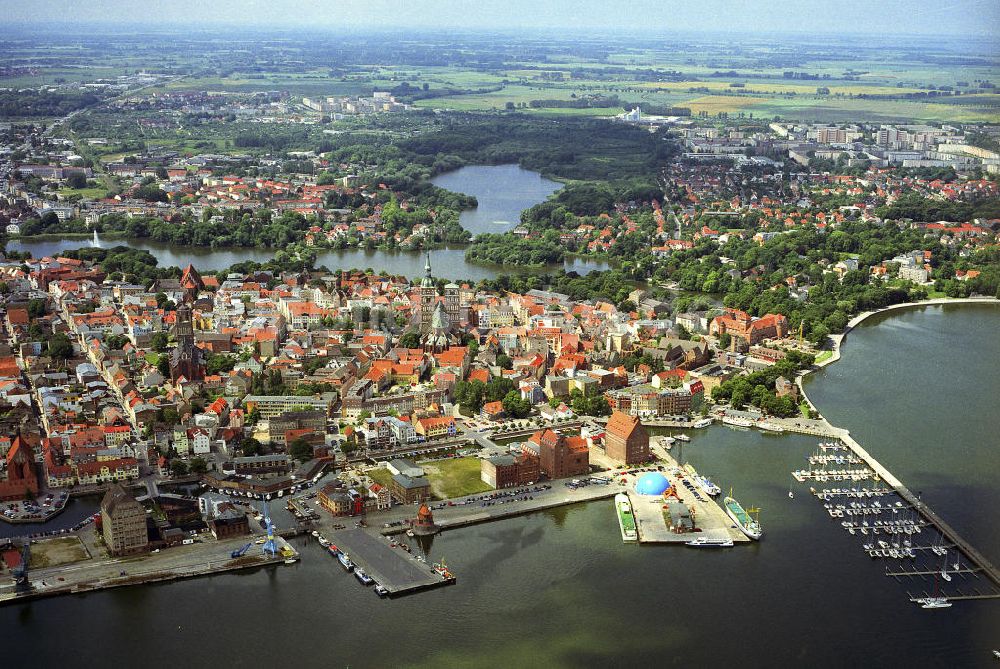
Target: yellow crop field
[713,104]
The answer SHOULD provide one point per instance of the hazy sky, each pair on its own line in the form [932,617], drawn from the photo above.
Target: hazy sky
[980,17]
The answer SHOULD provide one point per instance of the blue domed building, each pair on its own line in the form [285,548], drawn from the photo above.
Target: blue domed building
[652,483]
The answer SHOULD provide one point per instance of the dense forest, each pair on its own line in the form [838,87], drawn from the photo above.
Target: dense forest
[507,249]
[27,102]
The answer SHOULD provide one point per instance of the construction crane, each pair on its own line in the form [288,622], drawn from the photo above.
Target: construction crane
[240,552]
[20,572]
[269,546]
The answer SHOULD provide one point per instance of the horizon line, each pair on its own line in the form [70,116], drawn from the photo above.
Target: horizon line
[376,28]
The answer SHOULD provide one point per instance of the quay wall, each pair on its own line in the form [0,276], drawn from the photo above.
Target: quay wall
[141,578]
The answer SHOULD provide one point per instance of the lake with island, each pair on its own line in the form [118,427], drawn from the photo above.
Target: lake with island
[503,191]
[916,387]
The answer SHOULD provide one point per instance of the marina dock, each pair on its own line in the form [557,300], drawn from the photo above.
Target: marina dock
[946,530]
[894,524]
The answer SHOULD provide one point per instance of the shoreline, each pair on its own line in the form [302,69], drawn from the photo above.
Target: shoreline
[838,339]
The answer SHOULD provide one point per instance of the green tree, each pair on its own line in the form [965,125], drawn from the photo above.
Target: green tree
[410,340]
[178,467]
[251,446]
[159,341]
[301,450]
[198,466]
[60,347]
[514,406]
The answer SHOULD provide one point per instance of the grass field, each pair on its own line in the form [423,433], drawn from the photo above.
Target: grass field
[90,193]
[58,551]
[380,475]
[454,477]
[765,87]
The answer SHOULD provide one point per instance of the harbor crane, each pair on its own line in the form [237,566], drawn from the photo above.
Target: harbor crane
[240,552]
[20,572]
[269,546]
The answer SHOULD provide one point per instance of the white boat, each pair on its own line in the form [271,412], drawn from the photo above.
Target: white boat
[626,519]
[770,427]
[934,602]
[748,524]
[682,437]
[705,542]
[736,422]
[704,422]
[381,590]
[291,560]
[703,483]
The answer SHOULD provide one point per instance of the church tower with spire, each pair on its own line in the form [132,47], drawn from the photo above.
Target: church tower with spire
[428,297]
[186,360]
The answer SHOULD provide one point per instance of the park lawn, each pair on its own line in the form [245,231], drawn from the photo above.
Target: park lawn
[454,477]
[824,355]
[804,409]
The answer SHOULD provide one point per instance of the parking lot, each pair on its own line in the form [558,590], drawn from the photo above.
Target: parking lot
[38,510]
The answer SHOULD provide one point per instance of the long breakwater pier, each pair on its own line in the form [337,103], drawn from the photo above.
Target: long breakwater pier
[947,566]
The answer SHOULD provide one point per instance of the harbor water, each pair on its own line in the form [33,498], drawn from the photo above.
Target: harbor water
[560,589]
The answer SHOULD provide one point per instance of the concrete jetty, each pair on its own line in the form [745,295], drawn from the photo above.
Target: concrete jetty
[395,569]
[708,516]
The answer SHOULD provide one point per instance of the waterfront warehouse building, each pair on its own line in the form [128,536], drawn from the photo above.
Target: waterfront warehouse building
[626,440]
[559,456]
[123,523]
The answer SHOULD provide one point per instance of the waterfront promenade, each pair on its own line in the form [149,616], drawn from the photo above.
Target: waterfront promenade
[100,571]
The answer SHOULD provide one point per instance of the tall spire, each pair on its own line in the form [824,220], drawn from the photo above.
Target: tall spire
[428,280]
